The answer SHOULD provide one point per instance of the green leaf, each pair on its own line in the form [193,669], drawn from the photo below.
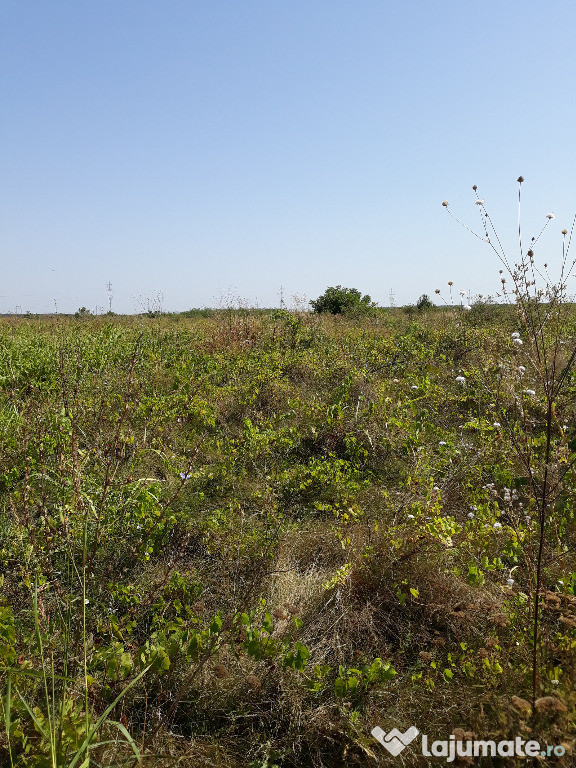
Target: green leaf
[102,718]
[298,657]
[340,687]
[33,716]
[352,683]
[216,625]
[129,738]
[267,625]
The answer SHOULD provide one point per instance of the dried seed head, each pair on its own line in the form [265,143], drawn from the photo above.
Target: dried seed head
[550,216]
[521,704]
[550,704]
[530,253]
[564,231]
[474,187]
[253,682]
[445,203]
[520,179]
[450,282]
[221,671]
[437,290]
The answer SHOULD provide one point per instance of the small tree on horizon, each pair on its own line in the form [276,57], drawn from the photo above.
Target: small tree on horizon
[337,300]
[424,302]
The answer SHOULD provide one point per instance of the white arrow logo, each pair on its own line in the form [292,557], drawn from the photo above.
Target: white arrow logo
[394,740]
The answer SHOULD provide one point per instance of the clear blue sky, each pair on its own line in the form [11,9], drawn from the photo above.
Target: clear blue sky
[207,148]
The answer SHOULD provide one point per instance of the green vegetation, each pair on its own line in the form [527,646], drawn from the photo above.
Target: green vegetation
[338,300]
[243,538]
[424,302]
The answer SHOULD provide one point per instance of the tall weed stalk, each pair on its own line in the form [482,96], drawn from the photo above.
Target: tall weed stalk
[542,446]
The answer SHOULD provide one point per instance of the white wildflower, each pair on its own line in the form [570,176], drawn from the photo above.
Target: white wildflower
[530,392]
[442,442]
[471,515]
[497,526]
[466,307]
[518,342]
[496,424]
[410,517]
[515,335]
[460,379]
[510,582]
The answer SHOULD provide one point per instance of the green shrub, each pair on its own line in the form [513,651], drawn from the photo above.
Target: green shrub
[424,302]
[339,300]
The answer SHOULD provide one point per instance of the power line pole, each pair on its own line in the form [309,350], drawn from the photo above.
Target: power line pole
[110,295]
[391,299]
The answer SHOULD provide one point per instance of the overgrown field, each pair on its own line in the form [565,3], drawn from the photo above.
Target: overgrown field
[246,539]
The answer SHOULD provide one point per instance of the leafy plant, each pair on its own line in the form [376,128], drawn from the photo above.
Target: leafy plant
[424,302]
[336,300]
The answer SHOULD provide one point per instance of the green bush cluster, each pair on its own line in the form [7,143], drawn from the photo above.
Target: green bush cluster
[339,300]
